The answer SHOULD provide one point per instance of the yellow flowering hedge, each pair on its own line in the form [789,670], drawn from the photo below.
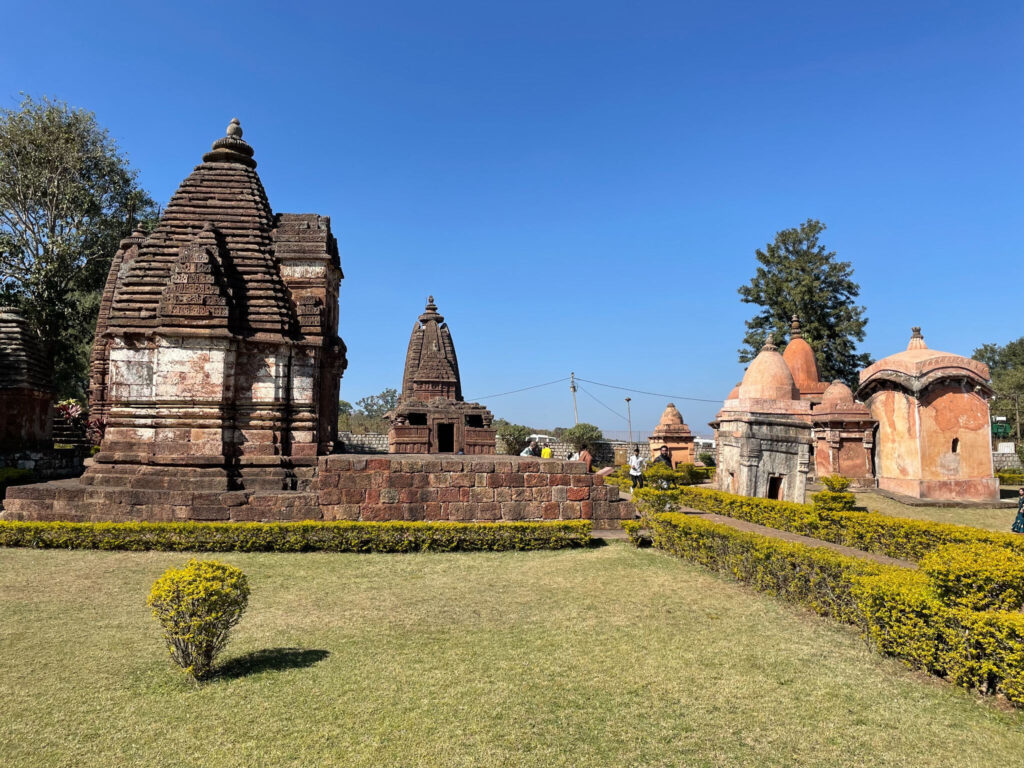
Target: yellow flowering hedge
[898,609]
[299,537]
[197,606]
[980,577]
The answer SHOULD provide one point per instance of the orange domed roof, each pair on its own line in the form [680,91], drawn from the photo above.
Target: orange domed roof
[734,392]
[768,377]
[838,405]
[800,358]
[917,367]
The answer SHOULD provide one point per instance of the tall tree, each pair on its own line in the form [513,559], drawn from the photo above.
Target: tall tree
[799,276]
[67,197]
[1006,365]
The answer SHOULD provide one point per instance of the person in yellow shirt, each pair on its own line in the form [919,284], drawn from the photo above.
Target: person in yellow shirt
[545,452]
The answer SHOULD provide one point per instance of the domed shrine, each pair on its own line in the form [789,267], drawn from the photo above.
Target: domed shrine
[934,435]
[799,356]
[26,391]
[844,433]
[675,435]
[431,416]
[764,434]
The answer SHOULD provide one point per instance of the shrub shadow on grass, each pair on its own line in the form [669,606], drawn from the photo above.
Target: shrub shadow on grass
[269,660]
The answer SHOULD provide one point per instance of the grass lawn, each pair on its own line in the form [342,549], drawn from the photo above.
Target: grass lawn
[989,518]
[602,657]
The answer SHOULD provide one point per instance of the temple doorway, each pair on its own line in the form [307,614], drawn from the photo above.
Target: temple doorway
[774,487]
[445,438]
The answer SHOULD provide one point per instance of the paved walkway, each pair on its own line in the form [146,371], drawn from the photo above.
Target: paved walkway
[774,533]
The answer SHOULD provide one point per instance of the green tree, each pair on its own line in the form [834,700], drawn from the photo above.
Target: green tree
[1006,365]
[582,435]
[798,276]
[67,197]
[375,406]
[514,437]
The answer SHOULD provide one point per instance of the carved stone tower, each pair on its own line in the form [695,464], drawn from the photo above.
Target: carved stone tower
[431,416]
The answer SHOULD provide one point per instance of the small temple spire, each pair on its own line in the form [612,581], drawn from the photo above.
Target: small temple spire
[430,313]
[769,344]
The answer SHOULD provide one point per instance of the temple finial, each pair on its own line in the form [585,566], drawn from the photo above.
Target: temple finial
[916,339]
[234,128]
[794,328]
[769,344]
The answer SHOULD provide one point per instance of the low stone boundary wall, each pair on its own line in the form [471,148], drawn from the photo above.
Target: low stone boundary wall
[464,488]
[1002,461]
[47,463]
[370,443]
[347,487]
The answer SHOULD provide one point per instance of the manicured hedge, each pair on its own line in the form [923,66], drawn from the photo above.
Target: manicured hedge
[817,578]
[869,531]
[299,537]
[897,608]
[981,650]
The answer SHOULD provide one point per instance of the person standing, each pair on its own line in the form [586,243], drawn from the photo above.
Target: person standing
[636,468]
[1018,523]
[531,449]
[664,457]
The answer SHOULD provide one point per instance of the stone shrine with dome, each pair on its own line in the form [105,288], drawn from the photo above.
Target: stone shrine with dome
[764,433]
[674,434]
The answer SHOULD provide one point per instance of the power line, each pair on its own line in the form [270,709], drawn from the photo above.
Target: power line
[653,394]
[602,404]
[535,386]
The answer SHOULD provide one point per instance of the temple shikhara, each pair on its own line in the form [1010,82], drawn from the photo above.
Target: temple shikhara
[26,392]
[217,355]
[431,416]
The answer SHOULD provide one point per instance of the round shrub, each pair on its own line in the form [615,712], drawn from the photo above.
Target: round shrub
[980,577]
[836,483]
[197,606]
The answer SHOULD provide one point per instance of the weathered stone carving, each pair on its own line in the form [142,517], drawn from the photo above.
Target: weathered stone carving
[431,416]
[26,391]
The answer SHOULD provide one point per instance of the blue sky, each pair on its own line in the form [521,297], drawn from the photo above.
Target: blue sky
[582,185]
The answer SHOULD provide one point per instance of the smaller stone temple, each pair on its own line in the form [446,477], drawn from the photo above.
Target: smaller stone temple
[431,416]
[26,390]
[673,433]
[934,435]
[844,433]
[764,434]
[799,356]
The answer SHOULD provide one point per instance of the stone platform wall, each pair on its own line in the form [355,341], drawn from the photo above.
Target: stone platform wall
[464,488]
[346,487]
[1002,461]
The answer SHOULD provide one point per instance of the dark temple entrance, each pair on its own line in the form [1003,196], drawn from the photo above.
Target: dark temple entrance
[774,487]
[446,438]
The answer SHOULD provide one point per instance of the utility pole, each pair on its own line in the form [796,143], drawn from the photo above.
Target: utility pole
[629,421]
[572,386]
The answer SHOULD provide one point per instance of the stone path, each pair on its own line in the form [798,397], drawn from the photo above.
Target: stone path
[774,533]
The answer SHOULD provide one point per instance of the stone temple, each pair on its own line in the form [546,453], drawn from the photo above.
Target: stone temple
[217,360]
[764,432]
[26,391]
[934,434]
[431,416]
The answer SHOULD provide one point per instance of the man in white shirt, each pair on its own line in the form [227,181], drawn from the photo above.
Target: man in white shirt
[637,463]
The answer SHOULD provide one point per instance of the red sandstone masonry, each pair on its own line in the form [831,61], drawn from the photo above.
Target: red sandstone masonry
[396,487]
